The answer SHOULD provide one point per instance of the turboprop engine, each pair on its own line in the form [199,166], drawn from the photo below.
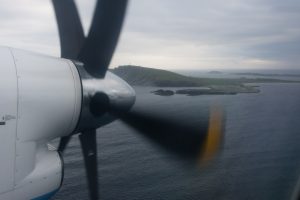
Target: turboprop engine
[43,98]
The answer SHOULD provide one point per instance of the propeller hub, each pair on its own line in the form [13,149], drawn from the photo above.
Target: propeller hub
[100,96]
[99,104]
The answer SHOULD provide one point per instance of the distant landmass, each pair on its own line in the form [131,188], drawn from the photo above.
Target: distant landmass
[143,76]
[267,75]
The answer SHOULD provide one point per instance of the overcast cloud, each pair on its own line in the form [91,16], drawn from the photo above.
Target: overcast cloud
[188,34]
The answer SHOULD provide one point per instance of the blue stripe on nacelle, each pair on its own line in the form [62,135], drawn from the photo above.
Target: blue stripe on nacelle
[46,196]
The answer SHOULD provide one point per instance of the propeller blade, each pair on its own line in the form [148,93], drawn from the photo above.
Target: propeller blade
[102,39]
[192,143]
[89,150]
[63,143]
[71,33]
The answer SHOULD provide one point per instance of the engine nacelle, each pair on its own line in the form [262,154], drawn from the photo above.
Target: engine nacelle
[43,98]
[40,100]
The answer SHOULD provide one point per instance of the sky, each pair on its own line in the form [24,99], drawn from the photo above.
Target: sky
[174,34]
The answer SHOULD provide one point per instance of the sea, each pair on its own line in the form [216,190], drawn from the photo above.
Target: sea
[259,157]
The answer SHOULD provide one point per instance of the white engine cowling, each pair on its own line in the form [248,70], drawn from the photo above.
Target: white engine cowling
[40,100]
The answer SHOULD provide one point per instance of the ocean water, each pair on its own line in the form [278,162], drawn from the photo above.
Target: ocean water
[260,157]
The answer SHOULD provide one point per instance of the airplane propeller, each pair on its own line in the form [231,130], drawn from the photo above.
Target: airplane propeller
[95,52]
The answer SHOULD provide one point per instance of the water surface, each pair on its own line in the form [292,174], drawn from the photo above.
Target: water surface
[260,157]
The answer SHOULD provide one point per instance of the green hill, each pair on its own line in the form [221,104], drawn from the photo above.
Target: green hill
[142,76]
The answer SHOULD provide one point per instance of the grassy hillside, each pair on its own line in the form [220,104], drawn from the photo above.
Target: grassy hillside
[143,76]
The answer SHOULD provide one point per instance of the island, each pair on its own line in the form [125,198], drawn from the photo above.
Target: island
[143,76]
[162,92]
